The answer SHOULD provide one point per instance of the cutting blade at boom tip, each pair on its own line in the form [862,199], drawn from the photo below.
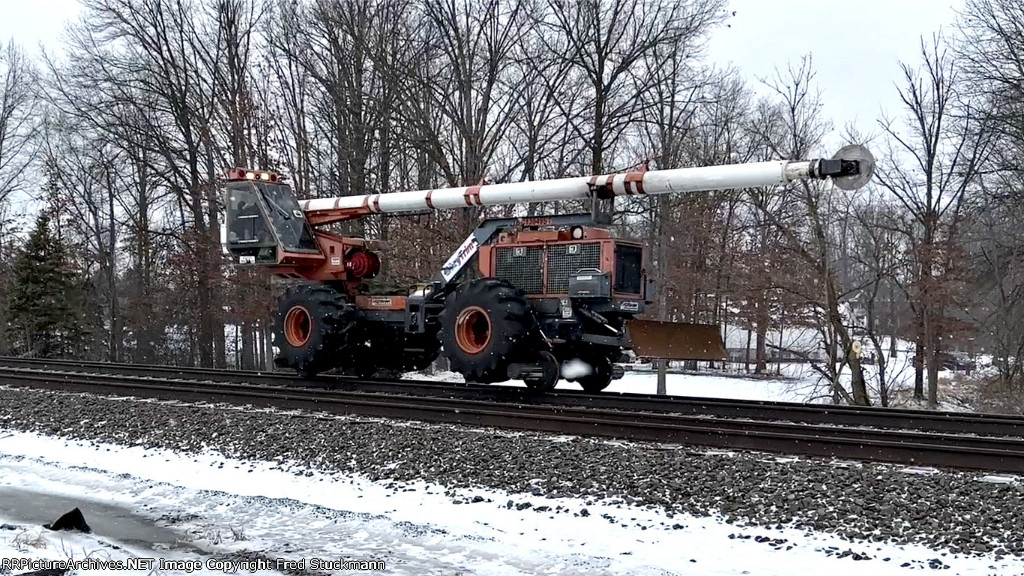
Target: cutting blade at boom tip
[865,166]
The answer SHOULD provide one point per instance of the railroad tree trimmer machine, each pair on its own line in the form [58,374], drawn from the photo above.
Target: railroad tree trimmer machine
[544,291]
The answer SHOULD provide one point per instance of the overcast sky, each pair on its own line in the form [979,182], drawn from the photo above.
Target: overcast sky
[32,21]
[856,45]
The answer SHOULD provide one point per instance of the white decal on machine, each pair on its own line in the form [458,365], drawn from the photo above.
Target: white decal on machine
[454,264]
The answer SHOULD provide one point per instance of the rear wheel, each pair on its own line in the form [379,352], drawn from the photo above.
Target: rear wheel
[313,325]
[485,325]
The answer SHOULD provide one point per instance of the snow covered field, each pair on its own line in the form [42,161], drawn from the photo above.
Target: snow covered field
[786,382]
[797,384]
[700,385]
[230,508]
[714,386]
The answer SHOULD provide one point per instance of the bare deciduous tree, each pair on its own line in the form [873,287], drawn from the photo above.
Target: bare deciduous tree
[933,156]
[19,88]
[806,217]
[606,41]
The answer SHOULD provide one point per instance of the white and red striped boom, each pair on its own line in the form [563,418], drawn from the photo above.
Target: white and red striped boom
[850,168]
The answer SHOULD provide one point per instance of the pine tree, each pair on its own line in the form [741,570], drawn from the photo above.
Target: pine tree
[46,297]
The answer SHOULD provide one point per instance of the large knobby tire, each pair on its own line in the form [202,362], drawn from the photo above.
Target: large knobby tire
[312,328]
[485,325]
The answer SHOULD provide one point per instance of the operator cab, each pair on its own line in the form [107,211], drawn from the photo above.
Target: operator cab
[263,215]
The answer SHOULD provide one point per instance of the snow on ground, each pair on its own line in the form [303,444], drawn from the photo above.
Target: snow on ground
[781,389]
[715,386]
[27,548]
[296,513]
[22,547]
[783,382]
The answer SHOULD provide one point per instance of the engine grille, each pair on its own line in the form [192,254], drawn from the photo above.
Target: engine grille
[521,267]
[565,260]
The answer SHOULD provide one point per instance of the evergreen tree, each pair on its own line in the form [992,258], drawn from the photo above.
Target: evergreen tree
[47,298]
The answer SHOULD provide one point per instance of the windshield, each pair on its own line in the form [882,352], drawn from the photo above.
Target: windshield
[246,226]
[279,206]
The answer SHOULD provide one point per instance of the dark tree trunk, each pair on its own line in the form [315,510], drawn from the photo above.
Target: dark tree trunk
[919,359]
[248,357]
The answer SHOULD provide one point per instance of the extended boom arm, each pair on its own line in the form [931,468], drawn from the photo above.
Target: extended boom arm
[849,168]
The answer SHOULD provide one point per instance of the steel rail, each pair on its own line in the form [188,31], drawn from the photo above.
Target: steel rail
[907,447]
[894,418]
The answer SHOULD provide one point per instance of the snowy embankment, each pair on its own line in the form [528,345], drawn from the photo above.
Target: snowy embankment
[416,529]
[426,499]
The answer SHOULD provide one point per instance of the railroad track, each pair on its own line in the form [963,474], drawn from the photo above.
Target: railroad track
[996,451]
[840,415]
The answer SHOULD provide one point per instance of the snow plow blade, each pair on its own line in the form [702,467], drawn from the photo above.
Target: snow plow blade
[675,340]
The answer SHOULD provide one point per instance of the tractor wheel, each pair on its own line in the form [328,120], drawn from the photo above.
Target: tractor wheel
[312,327]
[551,370]
[600,378]
[485,325]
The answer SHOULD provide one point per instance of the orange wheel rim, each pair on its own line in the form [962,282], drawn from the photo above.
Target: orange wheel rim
[298,326]
[473,330]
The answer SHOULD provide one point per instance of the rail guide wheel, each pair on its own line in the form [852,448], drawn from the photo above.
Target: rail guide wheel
[550,371]
[599,378]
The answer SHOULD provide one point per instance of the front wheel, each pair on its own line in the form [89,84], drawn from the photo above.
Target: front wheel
[486,324]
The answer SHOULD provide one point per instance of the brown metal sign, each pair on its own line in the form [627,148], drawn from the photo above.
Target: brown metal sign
[675,340]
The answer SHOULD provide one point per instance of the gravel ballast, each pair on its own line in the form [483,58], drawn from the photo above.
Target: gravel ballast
[961,512]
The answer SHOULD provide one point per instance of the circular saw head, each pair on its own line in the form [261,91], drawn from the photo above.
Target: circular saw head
[867,166]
